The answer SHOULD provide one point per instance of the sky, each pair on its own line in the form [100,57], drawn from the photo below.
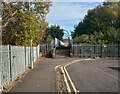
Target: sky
[67,13]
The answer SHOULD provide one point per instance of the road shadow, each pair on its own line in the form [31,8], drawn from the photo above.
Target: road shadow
[115,68]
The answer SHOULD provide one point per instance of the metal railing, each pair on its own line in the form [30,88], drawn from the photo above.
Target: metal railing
[96,50]
[14,60]
[45,48]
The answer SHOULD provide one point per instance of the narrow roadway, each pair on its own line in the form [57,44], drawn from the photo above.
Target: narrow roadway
[95,75]
[41,78]
[87,76]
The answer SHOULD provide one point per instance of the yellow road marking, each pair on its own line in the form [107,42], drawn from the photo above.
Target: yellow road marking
[57,67]
[65,79]
[73,86]
[64,70]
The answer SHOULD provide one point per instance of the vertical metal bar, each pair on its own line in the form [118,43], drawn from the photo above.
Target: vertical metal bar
[118,50]
[73,49]
[39,50]
[101,50]
[80,50]
[77,50]
[31,52]
[1,87]
[90,50]
[25,56]
[94,51]
[46,49]
[36,52]
[10,62]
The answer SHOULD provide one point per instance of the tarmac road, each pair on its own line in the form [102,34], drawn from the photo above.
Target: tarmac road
[95,75]
[87,76]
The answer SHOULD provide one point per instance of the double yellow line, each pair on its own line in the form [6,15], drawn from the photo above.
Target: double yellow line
[67,77]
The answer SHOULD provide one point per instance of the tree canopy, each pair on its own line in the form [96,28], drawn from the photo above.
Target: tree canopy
[100,25]
[55,32]
[23,21]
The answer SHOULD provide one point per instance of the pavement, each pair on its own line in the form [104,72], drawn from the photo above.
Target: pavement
[41,78]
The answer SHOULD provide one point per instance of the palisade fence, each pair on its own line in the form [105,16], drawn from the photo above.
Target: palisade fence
[14,60]
[96,50]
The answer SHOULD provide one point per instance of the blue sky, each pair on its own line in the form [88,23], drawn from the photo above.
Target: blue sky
[69,14]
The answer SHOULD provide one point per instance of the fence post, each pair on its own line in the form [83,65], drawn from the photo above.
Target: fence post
[45,49]
[36,53]
[10,61]
[1,87]
[94,50]
[25,57]
[31,62]
[38,50]
[118,50]
[101,50]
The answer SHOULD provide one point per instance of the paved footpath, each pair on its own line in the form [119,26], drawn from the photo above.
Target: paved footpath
[41,78]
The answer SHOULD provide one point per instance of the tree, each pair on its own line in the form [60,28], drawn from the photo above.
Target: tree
[97,21]
[112,35]
[49,39]
[118,21]
[55,31]
[82,39]
[22,22]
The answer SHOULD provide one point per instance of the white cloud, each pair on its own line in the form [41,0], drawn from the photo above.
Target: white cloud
[67,11]
[68,14]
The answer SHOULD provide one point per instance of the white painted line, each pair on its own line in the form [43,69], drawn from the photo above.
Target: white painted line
[114,78]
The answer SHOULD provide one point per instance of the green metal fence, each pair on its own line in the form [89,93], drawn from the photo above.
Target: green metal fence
[96,50]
